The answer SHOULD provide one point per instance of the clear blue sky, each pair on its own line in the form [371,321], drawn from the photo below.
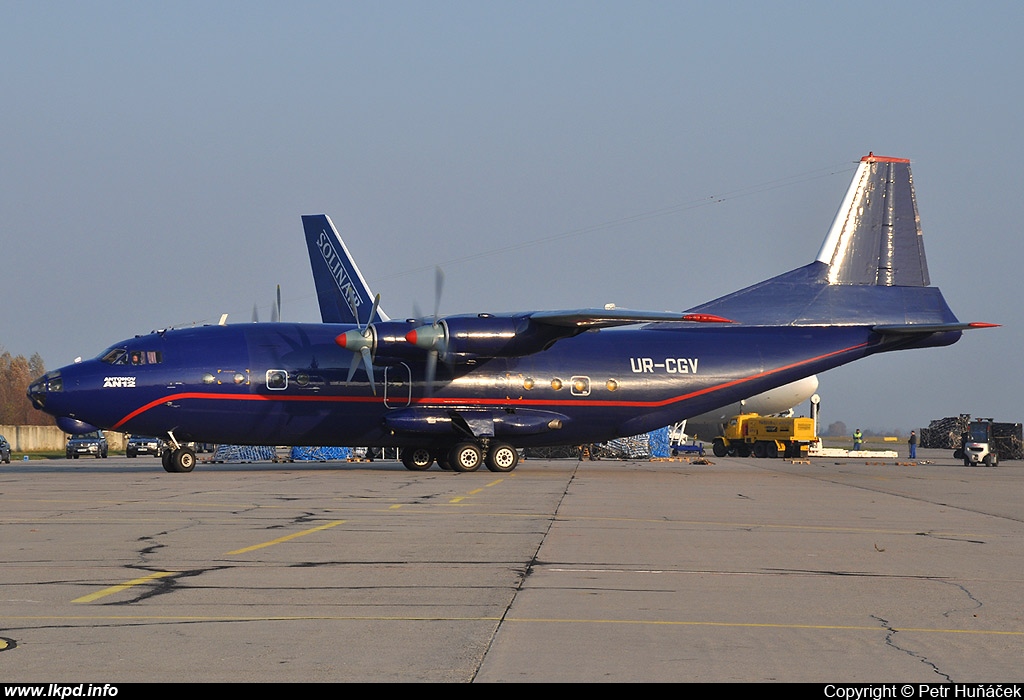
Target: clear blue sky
[156,158]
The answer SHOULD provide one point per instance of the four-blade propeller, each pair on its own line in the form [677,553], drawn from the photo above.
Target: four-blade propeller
[360,342]
[432,338]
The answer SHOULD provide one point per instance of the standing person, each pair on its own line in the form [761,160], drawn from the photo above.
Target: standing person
[913,444]
[858,439]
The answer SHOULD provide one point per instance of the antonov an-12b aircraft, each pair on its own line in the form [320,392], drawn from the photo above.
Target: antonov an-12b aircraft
[345,297]
[469,389]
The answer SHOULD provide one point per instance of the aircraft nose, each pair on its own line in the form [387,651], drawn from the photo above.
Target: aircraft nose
[40,389]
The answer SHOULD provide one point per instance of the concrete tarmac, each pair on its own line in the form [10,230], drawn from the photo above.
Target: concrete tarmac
[741,570]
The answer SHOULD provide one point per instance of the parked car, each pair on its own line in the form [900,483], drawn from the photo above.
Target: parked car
[5,450]
[89,444]
[143,445]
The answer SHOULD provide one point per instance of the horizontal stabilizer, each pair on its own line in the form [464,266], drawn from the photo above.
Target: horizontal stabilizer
[927,328]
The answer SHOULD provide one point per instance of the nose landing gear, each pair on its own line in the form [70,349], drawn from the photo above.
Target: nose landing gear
[178,458]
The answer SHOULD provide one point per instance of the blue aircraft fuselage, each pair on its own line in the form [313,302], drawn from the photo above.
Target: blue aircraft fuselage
[471,388]
[284,383]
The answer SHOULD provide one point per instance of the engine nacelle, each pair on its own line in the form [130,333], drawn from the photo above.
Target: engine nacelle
[386,341]
[464,338]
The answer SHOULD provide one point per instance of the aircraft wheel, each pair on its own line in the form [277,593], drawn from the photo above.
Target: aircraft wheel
[502,457]
[442,459]
[182,460]
[466,457]
[719,448]
[417,459]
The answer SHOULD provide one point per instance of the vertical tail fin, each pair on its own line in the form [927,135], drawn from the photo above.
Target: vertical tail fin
[342,292]
[871,269]
[876,235]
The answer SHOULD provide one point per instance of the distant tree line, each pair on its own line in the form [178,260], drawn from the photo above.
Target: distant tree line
[16,373]
[839,429]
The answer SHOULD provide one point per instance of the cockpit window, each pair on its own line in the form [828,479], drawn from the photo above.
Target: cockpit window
[145,357]
[123,356]
[115,356]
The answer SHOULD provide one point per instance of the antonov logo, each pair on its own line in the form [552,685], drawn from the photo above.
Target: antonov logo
[333,261]
[117,382]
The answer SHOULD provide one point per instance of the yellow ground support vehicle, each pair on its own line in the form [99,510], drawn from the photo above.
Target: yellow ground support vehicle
[750,434]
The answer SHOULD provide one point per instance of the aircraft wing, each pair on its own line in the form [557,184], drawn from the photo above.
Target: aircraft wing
[607,318]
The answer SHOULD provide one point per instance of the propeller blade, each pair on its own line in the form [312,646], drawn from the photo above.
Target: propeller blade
[368,361]
[373,311]
[353,367]
[430,372]
[438,288]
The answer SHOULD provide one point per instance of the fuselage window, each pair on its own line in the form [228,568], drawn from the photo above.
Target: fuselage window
[277,379]
[580,386]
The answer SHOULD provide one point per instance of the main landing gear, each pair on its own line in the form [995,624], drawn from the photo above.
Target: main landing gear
[463,457]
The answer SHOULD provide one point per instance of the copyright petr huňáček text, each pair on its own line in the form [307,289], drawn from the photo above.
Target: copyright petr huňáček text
[923,690]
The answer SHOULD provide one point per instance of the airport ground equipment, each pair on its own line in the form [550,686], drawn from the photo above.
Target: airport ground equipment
[985,441]
[691,448]
[764,436]
[948,433]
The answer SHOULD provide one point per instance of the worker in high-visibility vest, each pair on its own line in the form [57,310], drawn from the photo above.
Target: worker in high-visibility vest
[858,439]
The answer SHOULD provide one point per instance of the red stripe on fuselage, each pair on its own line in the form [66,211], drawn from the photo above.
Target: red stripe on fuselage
[479,402]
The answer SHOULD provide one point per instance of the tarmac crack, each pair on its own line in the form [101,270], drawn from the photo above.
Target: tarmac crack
[162,586]
[526,570]
[890,642]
